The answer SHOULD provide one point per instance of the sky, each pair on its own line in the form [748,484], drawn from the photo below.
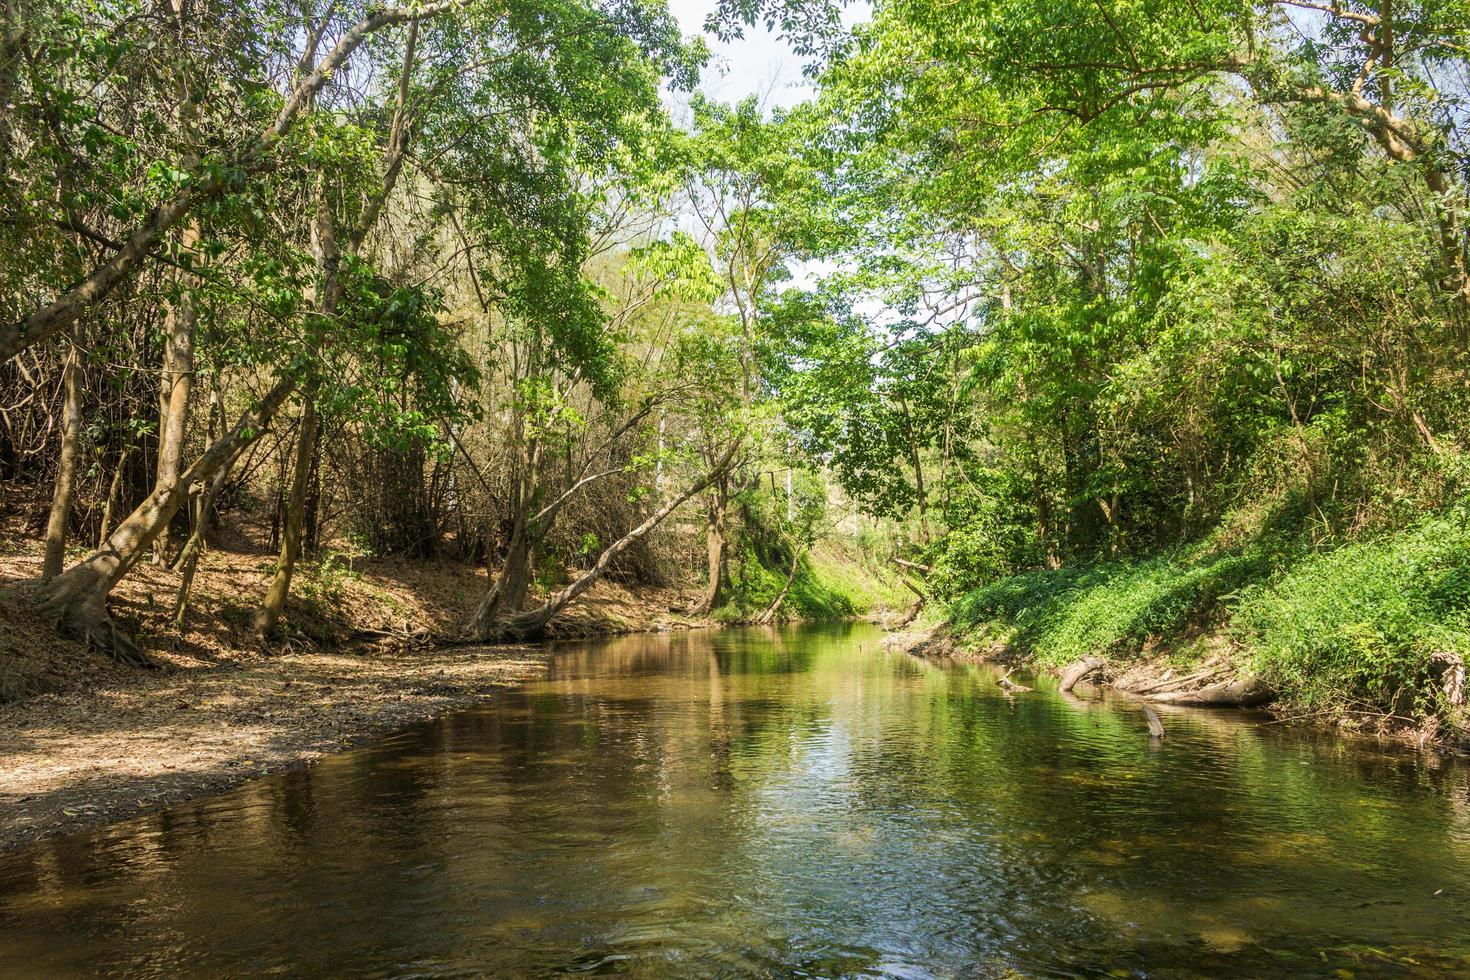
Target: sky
[760,64]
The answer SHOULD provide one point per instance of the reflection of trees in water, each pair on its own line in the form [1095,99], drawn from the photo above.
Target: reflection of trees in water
[719,735]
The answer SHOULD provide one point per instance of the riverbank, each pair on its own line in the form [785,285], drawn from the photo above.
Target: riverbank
[120,749]
[1371,637]
[371,605]
[85,741]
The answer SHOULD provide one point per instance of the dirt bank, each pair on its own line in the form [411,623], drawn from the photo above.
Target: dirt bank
[84,741]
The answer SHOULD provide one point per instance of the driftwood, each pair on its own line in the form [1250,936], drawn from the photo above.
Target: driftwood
[1010,686]
[1155,723]
[1076,673]
[1243,692]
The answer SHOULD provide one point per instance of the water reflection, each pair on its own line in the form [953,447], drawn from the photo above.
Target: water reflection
[780,803]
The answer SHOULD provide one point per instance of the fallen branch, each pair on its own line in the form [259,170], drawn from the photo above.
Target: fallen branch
[1010,686]
[916,566]
[1176,683]
[1076,673]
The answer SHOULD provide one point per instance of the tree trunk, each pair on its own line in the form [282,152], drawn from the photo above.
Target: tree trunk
[77,598]
[112,491]
[71,434]
[177,383]
[269,615]
[532,623]
[508,594]
[327,291]
[771,610]
[716,546]
[921,495]
[311,527]
[188,562]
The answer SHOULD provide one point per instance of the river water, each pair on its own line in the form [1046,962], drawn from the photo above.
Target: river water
[794,802]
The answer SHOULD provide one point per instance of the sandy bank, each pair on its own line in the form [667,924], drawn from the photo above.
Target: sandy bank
[84,741]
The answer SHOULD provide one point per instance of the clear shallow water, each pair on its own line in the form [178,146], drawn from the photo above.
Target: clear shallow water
[779,803]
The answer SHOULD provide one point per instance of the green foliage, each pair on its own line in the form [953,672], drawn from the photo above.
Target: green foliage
[1350,628]
[753,586]
[991,533]
[860,570]
[318,612]
[393,365]
[762,552]
[325,580]
[1111,608]
[1357,626]
[1121,278]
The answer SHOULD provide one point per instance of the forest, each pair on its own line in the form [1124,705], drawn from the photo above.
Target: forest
[1127,329]
[523,488]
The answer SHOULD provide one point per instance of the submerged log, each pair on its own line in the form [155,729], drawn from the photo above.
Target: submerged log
[1155,723]
[1076,673]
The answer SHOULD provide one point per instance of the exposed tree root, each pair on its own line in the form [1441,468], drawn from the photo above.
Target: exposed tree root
[81,615]
[520,628]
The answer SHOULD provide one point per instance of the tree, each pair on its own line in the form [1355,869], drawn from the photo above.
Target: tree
[315,141]
[184,191]
[754,197]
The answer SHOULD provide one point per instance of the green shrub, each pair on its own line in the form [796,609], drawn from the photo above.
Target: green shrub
[326,578]
[992,533]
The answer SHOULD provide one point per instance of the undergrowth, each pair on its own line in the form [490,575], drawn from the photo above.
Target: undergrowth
[1109,609]
[1359,625]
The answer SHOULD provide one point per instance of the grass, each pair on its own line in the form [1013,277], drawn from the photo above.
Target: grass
[1110,609]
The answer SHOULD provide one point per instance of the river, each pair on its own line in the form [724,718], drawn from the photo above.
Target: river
[793,802]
